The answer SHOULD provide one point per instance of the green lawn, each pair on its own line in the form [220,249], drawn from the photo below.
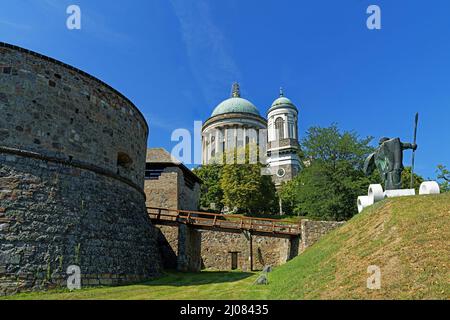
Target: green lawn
[408,238]
[172,286]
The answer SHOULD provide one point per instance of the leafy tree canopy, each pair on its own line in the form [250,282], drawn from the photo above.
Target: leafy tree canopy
[238,185]
[211,194]
[443,177]
[332,178]
[406,179]
[245,189]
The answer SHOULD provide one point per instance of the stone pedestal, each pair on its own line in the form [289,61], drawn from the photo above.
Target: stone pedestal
[399,193]
[375,193]
[429,187]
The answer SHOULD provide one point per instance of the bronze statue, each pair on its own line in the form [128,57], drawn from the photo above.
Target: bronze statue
[388,158]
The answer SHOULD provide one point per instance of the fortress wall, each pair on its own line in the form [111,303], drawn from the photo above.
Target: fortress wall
[53,216]
[312,231]
[170,191]
[168,246]
[217,247]
[163,193]
[72,159]
[188,199]
[55,110]
[189,249]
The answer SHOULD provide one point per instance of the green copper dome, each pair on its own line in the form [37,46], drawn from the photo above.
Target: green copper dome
[282,102]
[235,104]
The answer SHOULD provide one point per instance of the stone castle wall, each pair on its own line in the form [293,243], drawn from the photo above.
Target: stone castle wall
[163,193]
[72,159]
[188,199]
[168,246]
[189,249]
[217,247]
[312,231]
[171,192]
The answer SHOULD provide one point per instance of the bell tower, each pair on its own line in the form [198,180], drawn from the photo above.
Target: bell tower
[283,146]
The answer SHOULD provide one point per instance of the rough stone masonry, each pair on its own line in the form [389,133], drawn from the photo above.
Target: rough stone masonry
[72,159]
[211,249]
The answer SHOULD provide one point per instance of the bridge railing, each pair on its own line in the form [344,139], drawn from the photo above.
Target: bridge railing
[220,221]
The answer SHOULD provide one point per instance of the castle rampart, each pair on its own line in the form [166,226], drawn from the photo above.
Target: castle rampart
[72,160]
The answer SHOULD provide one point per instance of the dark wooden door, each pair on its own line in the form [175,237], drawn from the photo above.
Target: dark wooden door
[234,260]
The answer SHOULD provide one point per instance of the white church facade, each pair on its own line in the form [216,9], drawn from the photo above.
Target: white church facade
[236,124]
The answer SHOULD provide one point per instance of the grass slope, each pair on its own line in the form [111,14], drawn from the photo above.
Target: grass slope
[408,238]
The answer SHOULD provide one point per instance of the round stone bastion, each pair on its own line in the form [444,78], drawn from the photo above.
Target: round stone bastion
[72,160]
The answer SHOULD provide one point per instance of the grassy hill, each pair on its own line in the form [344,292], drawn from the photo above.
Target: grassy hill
[408,238]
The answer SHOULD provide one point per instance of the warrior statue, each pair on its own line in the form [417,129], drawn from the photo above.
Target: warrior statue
[388,158]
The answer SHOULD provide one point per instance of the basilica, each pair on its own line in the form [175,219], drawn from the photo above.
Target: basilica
[236,123]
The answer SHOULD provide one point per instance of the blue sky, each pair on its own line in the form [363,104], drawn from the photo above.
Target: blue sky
[176,60]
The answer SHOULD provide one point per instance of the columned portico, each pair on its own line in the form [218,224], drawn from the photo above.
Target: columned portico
[234,124]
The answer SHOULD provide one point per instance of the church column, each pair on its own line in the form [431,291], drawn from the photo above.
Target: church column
[218,143]
[207,147]
[286,125]
[270,129]
[227,143]
[244,132]
[225,137]
[203,150]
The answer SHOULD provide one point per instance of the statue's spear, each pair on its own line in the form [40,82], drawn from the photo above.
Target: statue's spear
[414,151]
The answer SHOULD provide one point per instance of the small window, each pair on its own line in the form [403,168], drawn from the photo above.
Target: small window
[124,160]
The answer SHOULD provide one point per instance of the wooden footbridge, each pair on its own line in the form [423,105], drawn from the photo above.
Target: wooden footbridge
[224,223]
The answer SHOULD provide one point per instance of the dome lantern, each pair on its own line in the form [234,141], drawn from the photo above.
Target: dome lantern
[282,102]
[235,91]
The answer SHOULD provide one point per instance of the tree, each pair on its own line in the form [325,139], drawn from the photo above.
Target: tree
[236,185]
[406,179]
[210,192]
[332,178]
[331,146]
[443,177]
[245,189]
[288,195]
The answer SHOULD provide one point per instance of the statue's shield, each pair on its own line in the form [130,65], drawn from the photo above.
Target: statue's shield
[387,154]
[369,164]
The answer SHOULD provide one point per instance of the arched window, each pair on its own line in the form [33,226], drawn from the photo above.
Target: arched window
[279,128]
